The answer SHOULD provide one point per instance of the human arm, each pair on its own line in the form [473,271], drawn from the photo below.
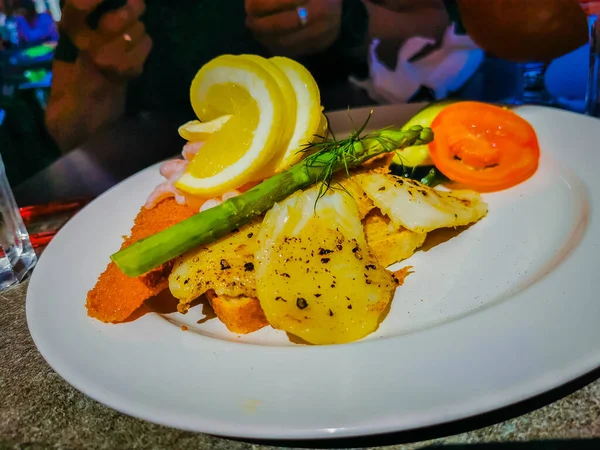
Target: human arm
[92,69]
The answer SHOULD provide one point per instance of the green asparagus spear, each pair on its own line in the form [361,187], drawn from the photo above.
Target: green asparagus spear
[329,157]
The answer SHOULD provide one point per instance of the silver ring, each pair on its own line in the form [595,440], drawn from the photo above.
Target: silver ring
[302,15]
[128,40]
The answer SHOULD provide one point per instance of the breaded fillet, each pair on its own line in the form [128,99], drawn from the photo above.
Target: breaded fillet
[115,295]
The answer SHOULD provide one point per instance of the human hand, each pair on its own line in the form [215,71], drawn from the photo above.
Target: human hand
[278,26]
[406,5]
[119,46]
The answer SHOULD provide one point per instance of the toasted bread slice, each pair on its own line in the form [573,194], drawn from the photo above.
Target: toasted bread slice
[241,315]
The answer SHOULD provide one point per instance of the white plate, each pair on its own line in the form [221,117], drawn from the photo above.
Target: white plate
[506,310]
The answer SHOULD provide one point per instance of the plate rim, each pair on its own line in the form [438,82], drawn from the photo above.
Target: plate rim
[526,390]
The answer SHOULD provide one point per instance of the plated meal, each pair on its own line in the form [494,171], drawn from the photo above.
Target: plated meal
[277,222]
[487,314]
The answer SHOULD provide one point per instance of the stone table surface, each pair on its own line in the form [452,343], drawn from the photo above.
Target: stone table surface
[38,409]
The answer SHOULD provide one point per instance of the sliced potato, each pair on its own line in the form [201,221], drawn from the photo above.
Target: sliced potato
[315,275]
[226,266]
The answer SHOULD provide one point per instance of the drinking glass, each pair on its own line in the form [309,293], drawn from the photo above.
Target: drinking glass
[531,33]
[533,86]
[17,256]
[592,97]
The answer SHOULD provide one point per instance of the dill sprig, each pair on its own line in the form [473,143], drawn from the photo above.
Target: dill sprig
[327,154]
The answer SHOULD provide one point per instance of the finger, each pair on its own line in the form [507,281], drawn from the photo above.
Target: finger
[73,24]
[83,5]
[109,54]
[280,23]
[133,65]
[140,53]
[319,36]
[128,65]
[131,36]
[407,5]
[123,56]
[116,21]
[260,8]
[73,21]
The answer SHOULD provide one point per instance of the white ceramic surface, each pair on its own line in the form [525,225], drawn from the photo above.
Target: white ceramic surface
[505,310]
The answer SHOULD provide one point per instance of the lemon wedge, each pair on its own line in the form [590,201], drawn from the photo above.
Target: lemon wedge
[249,139]
[309,119]
[196,131]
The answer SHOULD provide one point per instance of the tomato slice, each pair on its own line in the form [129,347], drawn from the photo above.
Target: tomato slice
[483,146]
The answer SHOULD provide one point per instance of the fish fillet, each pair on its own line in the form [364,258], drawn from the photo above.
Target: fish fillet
[419,208]
[116,296]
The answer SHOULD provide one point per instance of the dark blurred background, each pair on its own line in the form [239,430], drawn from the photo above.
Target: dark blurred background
[28,38]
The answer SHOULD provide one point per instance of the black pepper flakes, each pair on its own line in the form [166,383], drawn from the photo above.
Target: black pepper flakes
[368,281]
[382,188]
[235,230]
[370,266]
[186,281]
[339,246]
[250,235]
[325,260]
[225,265]
[349,306]
[324,251]
[249,267]
[355,249]
[301,303]
[286,275]
[330,313]
[317,295]
[280,299]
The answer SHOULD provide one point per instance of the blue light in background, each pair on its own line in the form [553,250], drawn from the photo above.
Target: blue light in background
[566,77]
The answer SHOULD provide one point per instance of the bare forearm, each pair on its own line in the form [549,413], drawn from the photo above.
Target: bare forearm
[82,102]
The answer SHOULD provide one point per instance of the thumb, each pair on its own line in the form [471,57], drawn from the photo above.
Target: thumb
[74,14]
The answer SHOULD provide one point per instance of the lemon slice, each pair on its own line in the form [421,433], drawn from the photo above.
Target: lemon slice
[309,119]
[242,88]
[196,131]
[289,98]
